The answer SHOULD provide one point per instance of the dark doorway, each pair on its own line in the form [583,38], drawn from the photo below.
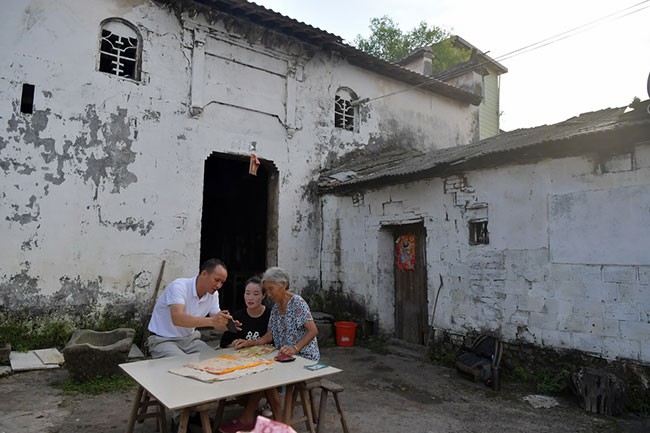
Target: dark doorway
[410,283]
[234,222]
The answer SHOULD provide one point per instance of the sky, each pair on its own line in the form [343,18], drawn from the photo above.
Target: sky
[605,64]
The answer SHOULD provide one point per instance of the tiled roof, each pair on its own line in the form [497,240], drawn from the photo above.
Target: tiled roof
[326,41]
[586,133]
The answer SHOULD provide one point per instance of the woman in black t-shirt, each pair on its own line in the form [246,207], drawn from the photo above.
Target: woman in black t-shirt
[254,318]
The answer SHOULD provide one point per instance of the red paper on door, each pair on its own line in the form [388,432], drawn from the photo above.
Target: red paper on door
[405,252]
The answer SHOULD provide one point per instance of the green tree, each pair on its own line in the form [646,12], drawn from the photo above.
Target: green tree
[387,41]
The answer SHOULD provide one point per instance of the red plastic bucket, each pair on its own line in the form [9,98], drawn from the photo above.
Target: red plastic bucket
[345,333]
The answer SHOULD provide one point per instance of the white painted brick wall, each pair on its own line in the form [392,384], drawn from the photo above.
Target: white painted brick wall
[635,330]
[572,323]
[644,275]
[620,274]
[542,321]
[551,337]
[620,311]
[570,290]
[642,156]
[589,308]
[588,342]
[554,307]
[530,303]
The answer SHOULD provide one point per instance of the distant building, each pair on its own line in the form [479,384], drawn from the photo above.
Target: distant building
[537,235]
[480,74]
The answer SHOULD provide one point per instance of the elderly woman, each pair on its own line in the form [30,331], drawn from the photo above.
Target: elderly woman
[293,332]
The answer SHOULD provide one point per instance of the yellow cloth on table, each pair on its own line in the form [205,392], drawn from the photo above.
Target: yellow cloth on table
[228,363]
[223,367]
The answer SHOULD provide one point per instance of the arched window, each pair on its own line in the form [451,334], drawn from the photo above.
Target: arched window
[120,49]
[346,115]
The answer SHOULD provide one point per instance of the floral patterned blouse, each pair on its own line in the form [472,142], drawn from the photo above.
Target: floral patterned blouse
[289,328]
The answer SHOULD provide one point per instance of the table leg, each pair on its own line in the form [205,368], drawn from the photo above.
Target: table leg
[134,409]
[184,420]
[205,422]
[288,403]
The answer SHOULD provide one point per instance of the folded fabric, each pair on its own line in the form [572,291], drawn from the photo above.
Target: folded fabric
[224,364]
[204,376]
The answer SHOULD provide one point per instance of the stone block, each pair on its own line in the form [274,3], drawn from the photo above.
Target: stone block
[560,272]
[620,274]
[644,275]
[571,323]
[570,290]
[621,348]
[542,321]
[609,292]
[589,308]
[620,311]
[587,342]
[634,330]
[557,307]
[586,273]
[520,318]
[540,289]
[632,292]
[611,328]
[90,354]
[530,303]
[556,339]
[517,286]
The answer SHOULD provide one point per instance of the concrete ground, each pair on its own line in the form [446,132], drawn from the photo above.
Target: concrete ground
[383,393]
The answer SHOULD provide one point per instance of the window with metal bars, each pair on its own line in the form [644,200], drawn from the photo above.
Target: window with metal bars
[119,49]
[478,232]
[345,114]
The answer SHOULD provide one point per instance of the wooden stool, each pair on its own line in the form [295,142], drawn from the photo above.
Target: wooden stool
[140,410]
[327,386]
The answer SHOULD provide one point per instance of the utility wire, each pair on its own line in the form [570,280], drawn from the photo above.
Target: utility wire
[528,48]
[572,32]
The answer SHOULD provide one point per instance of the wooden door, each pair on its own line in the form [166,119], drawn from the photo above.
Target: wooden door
[410,283]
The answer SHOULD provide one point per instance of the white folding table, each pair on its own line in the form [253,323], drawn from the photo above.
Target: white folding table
[177,392]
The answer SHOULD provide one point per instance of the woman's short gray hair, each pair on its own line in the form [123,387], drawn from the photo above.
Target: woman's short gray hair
[276,275]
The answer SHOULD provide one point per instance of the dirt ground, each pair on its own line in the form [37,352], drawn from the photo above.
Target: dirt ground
[383,393]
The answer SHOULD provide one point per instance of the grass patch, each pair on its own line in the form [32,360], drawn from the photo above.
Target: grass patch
[27,336]
[377,344]
[543,380]
[443,358]
[25,332]
[100,385]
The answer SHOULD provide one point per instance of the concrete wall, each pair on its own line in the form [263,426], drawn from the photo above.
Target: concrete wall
[103,180]
[566,265]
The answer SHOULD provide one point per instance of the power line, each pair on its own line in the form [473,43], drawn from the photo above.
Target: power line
[528,48]
[572,32]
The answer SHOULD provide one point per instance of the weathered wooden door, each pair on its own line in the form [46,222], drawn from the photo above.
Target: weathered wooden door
[410,283]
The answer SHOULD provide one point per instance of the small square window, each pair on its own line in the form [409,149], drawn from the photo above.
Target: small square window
[27,99]
[478,232]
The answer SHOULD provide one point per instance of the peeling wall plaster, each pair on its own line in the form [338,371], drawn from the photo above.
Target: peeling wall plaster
[529,284]
[98,178]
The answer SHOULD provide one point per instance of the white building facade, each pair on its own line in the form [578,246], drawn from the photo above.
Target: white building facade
[120,117]
[546,244]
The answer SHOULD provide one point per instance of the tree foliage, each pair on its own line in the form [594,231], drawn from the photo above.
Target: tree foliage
[387,41]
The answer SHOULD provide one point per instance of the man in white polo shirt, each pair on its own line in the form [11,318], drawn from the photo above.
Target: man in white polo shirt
[187,304]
